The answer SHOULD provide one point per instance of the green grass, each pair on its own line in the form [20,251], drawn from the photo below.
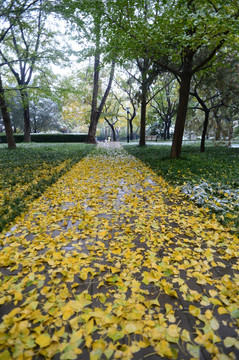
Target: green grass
[27,171]
[217,168]
[217,164]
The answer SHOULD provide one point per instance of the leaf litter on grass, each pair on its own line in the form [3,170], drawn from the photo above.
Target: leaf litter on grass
[113,263]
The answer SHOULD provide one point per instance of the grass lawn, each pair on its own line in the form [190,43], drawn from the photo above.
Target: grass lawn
[27,171]
[210,179]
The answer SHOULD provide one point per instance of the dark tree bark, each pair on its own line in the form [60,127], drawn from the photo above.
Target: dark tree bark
[96,112]
[26,114]
[148,75]
[6,118]
[206,111]
[181,114]
[166,133]
[167,112]
[111,125]
[143,114]
[131,130]
[204,132]
[134,104]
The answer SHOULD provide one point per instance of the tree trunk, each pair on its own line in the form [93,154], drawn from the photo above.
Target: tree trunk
[112,129]
[131,132]
[168,128]
[26,115]
[204,132]
[218,128]
[165,130]
[6,119]
[143,114]
[181,115]
[96,112]
[113,133]
[94,115]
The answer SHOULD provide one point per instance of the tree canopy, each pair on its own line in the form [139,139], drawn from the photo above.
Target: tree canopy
[183,38]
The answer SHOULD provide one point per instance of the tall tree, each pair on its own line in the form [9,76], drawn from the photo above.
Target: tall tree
[164,105]
[112,116]
[24,46]
[206,104]
[183,37]
[129,86]
[10,13]
[6,118]
[88,18]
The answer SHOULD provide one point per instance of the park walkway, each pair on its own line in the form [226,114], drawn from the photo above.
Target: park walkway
[113,263]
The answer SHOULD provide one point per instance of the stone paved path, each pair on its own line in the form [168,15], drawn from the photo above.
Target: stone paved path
[112,263]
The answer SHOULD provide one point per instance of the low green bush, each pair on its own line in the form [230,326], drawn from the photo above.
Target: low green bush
[48,138]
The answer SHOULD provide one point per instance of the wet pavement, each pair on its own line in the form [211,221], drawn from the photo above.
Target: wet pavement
[113,263]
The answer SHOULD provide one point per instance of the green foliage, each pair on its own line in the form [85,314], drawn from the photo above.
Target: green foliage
[27,171]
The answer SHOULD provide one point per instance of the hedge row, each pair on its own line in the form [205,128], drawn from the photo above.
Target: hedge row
[49,138]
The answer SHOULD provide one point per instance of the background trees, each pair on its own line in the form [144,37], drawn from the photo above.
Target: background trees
[21,51]
[10,14]
[181,37]
[186,41]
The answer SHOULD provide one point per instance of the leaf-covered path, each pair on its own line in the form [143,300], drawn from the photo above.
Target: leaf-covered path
[112,263]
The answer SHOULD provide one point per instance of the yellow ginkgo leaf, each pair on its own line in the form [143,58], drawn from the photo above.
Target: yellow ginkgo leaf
[229,341]
[221,310]
[185,336]
[130,328]
[195,311]
[173,330]
[43,340]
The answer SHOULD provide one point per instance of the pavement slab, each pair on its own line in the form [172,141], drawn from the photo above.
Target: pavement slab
[114,263]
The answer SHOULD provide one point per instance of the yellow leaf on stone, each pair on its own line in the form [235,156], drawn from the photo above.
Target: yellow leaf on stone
[83,275]
[60,332]
[214,324]
[23,325]
[215,301]
[130,328]
[219,263]
[43,340]
[208,314]
[77,351]
[99,344]
[38,329]
[185,336]
[195,311]
[88,341]
[114,270]
[163,349]
[89,326]
[74,323]
[193,350]
[64,294]
[213,293]
[18,296]
[76,336]
[173,330]
[169,291]
[67,312]
[221,310]
[5,355]
[229,341]
[2,300]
